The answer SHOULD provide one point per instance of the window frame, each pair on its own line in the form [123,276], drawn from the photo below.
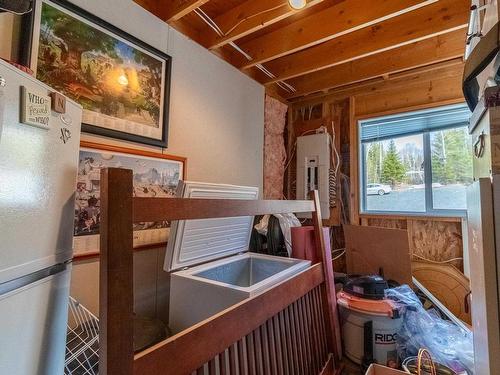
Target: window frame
[430,211]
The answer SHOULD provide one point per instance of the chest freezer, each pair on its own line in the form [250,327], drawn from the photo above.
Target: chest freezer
[209,263]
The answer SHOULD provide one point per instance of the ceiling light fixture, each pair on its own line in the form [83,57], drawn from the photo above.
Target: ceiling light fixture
[297,4]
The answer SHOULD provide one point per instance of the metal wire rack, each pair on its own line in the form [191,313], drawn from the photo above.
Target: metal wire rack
[82,342]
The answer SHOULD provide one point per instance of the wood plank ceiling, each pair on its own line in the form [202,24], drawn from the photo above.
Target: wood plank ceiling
[327,45]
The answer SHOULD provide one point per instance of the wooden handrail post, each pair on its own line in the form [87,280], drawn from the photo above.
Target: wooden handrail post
[116,299]
[328,287]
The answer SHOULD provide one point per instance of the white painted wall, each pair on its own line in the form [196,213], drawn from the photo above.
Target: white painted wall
[216,112]
[216,121]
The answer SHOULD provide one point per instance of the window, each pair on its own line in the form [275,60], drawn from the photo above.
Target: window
[419,162]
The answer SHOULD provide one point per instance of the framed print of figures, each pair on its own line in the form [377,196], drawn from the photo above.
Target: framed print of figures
[122,83]
[155,175]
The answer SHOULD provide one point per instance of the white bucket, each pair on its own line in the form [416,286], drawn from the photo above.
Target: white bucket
[384,335]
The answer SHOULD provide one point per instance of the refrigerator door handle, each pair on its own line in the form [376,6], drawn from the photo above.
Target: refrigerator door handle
[21,282]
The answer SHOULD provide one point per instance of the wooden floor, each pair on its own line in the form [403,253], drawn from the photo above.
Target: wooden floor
[350,368]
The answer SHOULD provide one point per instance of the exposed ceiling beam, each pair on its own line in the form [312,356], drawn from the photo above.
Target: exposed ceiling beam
[438,18]
[170,10]
[334,21]
[173,10]
[429,51]
[248,17]
[447,70]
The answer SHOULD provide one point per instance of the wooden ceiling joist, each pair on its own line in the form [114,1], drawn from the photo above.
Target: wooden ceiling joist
[340,18]
[425,52]
[173,10]
[446,71]
[435,19]
[248,17]
[170,10]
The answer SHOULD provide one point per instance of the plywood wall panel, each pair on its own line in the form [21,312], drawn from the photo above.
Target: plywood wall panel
[386,223]
[436,240]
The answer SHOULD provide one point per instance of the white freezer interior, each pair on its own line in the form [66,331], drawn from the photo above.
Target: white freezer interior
[245,272]
[202,291]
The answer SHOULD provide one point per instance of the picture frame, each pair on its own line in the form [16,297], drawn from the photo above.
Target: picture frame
[155,175]
[122,83]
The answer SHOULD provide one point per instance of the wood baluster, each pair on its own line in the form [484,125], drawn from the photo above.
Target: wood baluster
[212,367]
[265,349]
[223,363]
[242,357]
[298,342]
[275,356]
[279,350]
[258,352]
[314,332]
[233,354]
[285,336]
[252,363]
[307,335]
[319,312]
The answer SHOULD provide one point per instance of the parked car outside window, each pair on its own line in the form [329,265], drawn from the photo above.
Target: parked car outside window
[379,189]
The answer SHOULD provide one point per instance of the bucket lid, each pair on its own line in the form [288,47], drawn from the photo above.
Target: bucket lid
[193,242]
[369,287]
[384,307]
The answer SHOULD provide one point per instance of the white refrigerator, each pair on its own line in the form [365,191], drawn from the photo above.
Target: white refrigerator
[483,218]
[38,165]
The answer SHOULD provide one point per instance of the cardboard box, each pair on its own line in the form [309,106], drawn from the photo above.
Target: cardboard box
[375,369]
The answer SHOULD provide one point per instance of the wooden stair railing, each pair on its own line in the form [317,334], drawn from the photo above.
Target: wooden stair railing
[291,328]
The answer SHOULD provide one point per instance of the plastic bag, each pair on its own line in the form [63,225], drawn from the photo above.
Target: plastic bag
[286,221]
[449,344]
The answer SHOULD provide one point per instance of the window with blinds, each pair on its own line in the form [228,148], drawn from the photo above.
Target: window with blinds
[417,162]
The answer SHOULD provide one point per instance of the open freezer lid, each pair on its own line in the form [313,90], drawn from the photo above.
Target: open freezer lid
[193,242]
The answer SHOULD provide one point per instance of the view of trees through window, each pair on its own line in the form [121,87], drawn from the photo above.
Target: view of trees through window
[395,171]
[451,167]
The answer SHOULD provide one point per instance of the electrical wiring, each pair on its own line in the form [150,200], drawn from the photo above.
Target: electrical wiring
[333,170]
[295,147]
[211,23]
[339,256]
[436,261]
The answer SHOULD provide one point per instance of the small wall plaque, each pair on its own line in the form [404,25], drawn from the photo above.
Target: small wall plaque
[58,102]
[35,108]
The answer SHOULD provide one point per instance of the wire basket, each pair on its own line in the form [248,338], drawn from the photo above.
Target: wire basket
[82,341]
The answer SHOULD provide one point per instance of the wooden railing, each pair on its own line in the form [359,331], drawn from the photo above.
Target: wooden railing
[269,350]
[291,328]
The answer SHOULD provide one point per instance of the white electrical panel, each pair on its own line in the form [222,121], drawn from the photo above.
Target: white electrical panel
[313,168]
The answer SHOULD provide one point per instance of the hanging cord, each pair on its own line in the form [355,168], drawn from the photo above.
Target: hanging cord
[436,261]
[341,251]
[333,170]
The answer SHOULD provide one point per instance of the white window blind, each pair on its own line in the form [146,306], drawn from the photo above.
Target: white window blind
[410,123]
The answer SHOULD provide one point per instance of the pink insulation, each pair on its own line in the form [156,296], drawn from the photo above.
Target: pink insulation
[274,148]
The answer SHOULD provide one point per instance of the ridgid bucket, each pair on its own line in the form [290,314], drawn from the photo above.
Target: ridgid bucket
[369,322]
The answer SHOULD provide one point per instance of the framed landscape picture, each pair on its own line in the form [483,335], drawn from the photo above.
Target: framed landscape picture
[122,83]
[155,175]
